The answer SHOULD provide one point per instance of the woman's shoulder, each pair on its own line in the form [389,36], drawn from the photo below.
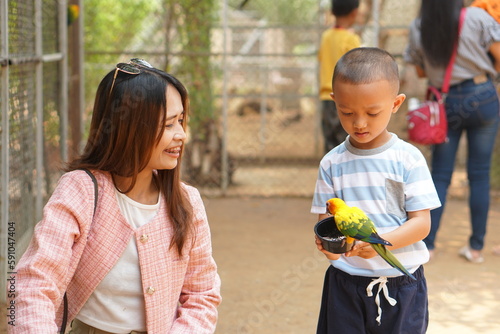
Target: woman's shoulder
[476,15]
[80,179]
[476,11]
[188,188]
[82,175]
[192,192]
[74,177]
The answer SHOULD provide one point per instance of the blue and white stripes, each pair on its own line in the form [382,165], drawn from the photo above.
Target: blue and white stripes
[386,183]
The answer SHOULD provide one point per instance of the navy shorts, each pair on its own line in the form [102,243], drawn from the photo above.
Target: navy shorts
[347,308]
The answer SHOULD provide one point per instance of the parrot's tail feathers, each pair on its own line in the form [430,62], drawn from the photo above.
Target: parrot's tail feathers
[391,259]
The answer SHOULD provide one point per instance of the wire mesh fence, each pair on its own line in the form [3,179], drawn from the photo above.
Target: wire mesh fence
[272,121]
[30,129]
[265,89]
[268,73]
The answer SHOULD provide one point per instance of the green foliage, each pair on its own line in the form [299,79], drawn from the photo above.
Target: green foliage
[194,23]
[110,26]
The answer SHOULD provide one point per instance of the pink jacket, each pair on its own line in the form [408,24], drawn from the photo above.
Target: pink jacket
[181,293]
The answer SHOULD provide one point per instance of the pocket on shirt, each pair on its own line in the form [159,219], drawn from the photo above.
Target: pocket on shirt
[395,198]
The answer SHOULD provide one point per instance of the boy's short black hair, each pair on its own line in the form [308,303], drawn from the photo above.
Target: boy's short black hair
[344,7]
[366,65]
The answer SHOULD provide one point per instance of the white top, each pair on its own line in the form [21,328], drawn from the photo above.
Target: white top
[117,304]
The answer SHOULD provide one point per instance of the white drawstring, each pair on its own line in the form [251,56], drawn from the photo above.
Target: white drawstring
[382,281]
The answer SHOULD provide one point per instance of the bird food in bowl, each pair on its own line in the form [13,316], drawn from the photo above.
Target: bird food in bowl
[331,238]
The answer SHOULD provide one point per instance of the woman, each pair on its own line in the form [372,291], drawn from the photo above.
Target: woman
[472,103]
[142,261]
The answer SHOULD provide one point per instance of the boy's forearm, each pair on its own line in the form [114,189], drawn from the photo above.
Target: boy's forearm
[416,228]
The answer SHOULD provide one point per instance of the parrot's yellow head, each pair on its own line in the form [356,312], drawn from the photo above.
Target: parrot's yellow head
[333,204]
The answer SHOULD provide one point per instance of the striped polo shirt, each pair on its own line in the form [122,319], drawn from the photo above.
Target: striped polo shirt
[386,183]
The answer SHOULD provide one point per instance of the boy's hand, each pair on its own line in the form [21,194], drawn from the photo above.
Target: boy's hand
[329,256]
[362,249]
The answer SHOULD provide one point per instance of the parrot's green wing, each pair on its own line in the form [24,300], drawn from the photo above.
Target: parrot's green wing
[354,223]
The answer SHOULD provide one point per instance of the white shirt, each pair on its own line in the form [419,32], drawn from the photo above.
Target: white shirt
[117,304]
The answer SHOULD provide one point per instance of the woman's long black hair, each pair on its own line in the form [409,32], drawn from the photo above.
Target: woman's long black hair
[439,29]
[125,128]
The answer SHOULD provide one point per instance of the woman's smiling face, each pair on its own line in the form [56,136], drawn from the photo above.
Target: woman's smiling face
[166,153]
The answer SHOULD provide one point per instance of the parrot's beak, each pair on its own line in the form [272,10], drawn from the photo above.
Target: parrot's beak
[327,208]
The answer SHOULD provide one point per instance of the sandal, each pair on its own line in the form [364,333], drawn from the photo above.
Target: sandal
[466,253]
[496,250]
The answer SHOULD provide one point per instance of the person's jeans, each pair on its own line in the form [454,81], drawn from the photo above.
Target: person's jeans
[475,109]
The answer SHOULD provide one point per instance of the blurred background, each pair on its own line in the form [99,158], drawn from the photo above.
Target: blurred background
[250,67]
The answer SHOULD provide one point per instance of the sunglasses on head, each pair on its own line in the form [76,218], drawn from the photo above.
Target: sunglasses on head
[140,62]
[133,67]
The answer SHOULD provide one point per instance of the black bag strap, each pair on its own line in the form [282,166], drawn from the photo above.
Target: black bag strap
[65,298]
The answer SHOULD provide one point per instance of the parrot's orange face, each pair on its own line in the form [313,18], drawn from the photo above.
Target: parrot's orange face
[333,204]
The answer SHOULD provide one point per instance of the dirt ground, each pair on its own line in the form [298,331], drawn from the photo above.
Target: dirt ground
[272,275]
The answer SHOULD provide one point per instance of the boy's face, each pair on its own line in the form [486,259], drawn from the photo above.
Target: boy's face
[365,111]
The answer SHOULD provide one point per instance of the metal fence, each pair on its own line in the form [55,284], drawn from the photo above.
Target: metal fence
[32,105]
[266,97]
[267,94]
[272,120]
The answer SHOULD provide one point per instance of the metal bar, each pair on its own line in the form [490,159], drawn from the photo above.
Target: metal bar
[81,70]
[263,113]
[52,57]
[269,26]
[224,158]
[38,110]
[318,133]
[63,87]
[4,61]
[376,23]
[4,107]
[269,96]
[22,60]
[199,54]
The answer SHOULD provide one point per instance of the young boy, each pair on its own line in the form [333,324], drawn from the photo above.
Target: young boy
[334,43]
[387,178]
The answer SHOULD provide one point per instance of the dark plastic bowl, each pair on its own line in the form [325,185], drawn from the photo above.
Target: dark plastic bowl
[331,238]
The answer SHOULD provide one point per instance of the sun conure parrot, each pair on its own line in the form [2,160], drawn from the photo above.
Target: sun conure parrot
[355,224]
[73,13]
